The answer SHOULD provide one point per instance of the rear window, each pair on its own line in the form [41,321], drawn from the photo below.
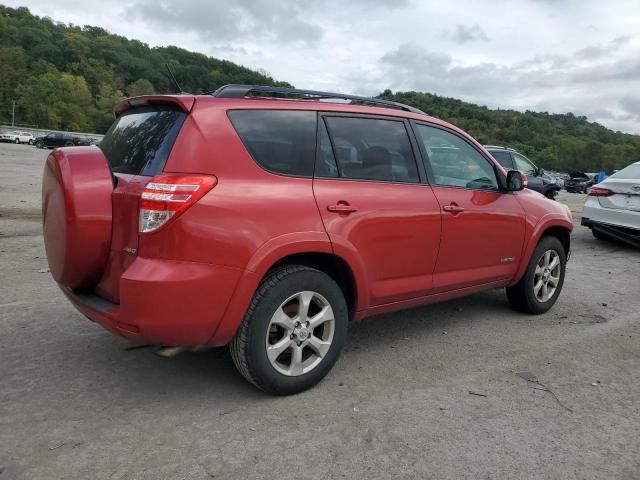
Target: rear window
[139,142]
[281,141]
[632,172]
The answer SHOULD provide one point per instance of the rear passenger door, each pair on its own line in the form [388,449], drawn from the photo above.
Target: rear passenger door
[482,227]
[375,206]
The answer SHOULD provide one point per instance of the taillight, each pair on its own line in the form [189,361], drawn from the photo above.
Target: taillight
[599,192]
[167,196]
[525,180]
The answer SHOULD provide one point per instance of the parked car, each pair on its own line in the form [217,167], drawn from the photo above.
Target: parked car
[612,208]
[17,137]
[511,159]
[579,182]
[55,140]
[269,223]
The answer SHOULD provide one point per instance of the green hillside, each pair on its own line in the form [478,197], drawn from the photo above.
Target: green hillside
[69,77]
[554,141]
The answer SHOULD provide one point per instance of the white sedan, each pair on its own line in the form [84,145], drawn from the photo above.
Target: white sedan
[612,209]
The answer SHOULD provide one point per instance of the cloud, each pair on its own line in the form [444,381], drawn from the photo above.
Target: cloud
[584,84]
[468,33]
[220,21]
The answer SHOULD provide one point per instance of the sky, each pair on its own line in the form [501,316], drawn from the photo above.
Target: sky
[555,56]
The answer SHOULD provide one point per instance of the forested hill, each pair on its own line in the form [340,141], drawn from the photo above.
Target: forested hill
[69,77]
[560,141]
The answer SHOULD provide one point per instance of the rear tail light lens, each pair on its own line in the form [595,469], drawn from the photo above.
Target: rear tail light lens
[167,196]
[525,180]
[599,192]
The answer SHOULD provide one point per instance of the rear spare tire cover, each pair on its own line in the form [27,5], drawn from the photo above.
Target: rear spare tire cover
[76,215]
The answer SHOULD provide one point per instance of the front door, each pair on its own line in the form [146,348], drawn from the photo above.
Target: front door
[374,207]
[482,227]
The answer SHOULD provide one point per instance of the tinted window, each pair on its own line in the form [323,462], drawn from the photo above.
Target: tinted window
[139,142]
[371,149]
[454,162]
[524,165]
[503,157]
[326,166]
[282,141]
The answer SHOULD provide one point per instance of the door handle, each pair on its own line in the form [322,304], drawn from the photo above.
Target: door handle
[453,208]
[342,208]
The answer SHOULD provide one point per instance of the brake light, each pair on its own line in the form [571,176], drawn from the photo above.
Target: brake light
[167,196]
[525,180]
[599,192]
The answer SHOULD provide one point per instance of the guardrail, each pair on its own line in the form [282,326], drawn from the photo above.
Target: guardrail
[36,132]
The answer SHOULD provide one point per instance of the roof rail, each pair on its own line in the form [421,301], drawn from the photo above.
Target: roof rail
[241,91]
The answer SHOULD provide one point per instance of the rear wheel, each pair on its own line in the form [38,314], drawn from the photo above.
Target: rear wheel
[39,144]
[293,331]
[551,194]
[68,144]
[542,282]
[16,141]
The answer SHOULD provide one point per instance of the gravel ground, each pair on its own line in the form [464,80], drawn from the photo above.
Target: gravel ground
[77,402]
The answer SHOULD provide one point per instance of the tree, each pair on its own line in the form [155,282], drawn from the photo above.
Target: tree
[141,86]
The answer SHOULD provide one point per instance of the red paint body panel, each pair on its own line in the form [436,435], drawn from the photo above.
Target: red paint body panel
[191,282]
[395,231]
[76,214]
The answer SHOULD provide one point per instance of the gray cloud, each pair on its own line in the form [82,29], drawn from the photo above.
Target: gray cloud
[468,33]
[217,20]
[549,82]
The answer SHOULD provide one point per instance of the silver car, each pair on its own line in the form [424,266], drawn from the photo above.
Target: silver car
[612,208]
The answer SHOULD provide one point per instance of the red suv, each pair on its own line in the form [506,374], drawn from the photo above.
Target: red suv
[267,219]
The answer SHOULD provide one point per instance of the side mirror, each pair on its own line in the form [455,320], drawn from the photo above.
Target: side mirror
[540,171]
[516,181]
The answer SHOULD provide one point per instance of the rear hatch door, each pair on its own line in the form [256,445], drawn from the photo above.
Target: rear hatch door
[137,147]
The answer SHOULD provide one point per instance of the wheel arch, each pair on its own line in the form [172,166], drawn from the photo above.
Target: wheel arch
[557,227]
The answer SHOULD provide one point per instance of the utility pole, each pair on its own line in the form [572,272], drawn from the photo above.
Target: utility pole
[13,114]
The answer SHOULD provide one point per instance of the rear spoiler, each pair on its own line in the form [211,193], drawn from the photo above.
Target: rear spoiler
[184,102]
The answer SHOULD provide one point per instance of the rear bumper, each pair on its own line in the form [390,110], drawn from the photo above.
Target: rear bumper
[164,302]
[594,212]
[628,235]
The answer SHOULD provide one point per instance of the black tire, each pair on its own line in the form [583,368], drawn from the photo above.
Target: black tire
[68,144]
[248,347]
[16,141]
[551,194]
[39,145]
[521,295]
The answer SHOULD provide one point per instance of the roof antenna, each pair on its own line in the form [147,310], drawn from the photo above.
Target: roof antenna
[174,79]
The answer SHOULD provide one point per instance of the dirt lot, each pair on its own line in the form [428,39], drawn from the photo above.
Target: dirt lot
[76,402]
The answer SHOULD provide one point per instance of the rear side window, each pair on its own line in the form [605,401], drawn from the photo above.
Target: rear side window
[503,157]
[281,141]
[139,142]
[369,149]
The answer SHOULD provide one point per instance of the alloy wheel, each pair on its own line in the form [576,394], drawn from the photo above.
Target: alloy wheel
[300,333]
[546,276]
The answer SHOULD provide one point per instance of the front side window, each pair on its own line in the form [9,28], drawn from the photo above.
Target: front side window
[524,165]
[281,141]
[370,149]
[454,162]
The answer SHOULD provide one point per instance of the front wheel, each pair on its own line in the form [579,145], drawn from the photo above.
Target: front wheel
[542,282]
[16,141]
[551,194]
[293,331]
[39,145]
